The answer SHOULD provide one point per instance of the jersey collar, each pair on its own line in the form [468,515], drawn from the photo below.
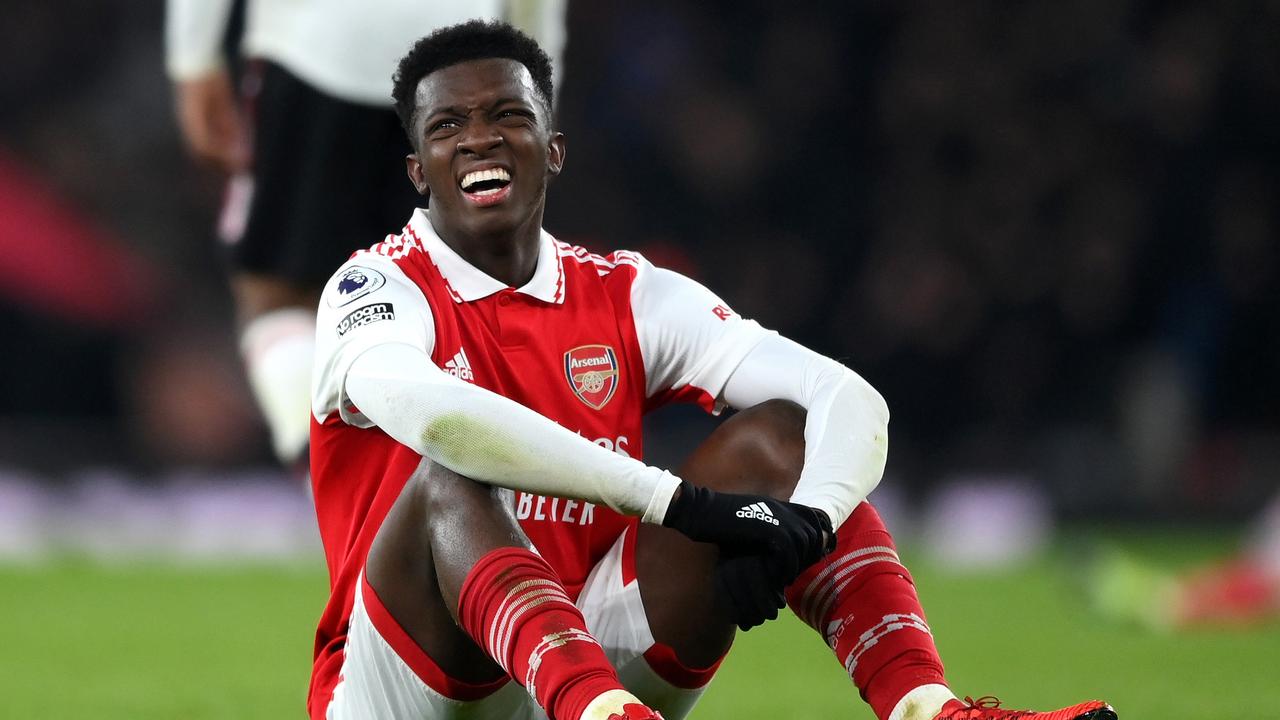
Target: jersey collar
[467,283]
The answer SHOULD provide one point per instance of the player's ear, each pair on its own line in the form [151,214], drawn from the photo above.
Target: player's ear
[555,154]
[416,175]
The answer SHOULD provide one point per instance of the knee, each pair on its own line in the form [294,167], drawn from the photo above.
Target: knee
[441,491]
[759,450]
[452,506]
[776,421]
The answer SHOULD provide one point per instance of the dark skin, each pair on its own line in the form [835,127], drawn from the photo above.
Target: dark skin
[479,115]
[487,114]
[442,523]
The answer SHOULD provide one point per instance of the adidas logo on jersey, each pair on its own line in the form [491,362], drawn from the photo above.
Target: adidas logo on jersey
[460,367]
[758,511]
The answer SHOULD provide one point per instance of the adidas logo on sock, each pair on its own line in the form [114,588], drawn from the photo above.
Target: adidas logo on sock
[758,511]
[460,367]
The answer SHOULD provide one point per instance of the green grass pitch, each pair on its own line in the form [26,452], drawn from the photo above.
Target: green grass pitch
[173,643]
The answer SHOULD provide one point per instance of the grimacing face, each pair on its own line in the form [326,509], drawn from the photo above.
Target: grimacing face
[485,148]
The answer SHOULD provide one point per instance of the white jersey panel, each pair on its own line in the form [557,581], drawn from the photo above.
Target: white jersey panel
[369,301]
[350,49]
[688,336]
[346,49]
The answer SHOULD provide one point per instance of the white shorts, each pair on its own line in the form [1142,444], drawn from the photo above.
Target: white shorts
[386,676]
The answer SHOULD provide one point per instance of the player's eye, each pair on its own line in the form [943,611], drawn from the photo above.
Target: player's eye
[443,126]
[515,116]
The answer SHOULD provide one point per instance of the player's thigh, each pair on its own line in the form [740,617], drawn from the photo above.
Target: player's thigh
[401,570]
[759,450]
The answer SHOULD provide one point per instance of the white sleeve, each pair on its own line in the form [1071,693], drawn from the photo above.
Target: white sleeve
[689,338]
[193,31]
[368,302]
[846,432]
[490,438]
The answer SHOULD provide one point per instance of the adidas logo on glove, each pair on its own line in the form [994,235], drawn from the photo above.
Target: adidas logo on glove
[758,511]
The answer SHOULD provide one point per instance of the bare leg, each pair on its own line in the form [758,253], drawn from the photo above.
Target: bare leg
[454,569]
[760,451]
[256,295]
[436,531]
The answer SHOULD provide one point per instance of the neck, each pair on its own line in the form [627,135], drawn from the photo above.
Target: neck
[510,256]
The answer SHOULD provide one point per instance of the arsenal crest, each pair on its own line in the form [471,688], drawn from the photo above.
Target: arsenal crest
[592,372]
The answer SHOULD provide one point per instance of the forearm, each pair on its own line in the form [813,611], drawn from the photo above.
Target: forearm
[846,427]
[492,439]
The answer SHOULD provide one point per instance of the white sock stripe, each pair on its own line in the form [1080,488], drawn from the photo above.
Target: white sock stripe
[821,605]
[507,641]
[503,617]
[893,618]
[532,603]
[821,591]
[499,617]
[528,601]
[837,582]
[549,643]
[891,623]
[851,664]
[817,582]
[825,610]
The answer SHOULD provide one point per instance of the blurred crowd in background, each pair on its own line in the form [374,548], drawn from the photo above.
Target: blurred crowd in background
[1046,232]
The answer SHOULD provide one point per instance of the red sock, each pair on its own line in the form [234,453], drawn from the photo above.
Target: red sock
[514,606]
[864,603]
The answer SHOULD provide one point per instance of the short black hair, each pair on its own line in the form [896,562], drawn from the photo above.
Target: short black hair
[471,40]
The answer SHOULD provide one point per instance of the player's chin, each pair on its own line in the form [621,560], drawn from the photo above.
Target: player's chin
[491,220]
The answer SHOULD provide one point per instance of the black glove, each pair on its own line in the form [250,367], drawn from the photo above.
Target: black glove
[747,524]
[749,588]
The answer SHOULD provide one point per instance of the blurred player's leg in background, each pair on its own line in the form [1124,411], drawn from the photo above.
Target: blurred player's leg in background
[277,342]
[1242,589]
[325,178]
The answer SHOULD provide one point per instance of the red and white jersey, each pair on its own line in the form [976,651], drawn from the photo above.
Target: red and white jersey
[591,342]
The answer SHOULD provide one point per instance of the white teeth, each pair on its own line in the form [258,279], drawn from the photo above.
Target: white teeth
[476,176]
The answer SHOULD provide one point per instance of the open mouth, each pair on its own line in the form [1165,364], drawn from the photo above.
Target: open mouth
[486,187]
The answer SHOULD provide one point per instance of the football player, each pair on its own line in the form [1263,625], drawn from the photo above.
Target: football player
[497,549]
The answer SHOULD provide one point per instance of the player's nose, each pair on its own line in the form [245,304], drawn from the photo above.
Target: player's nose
[478,138]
